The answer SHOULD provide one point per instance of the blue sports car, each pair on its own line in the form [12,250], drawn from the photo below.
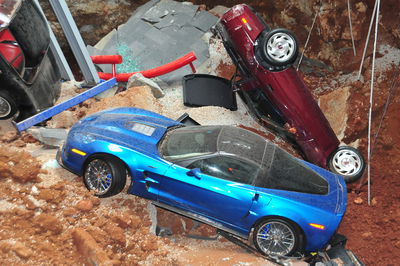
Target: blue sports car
[224,176]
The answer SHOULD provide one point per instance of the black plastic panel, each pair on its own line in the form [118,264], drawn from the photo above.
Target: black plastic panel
[208,90]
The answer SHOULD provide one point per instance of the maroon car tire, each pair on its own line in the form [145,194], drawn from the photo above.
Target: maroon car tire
[347,162]
[278,49]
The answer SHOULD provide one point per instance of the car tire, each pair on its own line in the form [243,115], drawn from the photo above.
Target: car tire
[277,237]
[105,175]
[278,48]
[8,107]
[347,162]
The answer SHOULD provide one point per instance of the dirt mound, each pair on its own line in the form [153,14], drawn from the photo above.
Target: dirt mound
[140,97]
[18,165]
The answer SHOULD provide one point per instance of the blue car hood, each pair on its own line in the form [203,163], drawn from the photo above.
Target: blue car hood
[131,127]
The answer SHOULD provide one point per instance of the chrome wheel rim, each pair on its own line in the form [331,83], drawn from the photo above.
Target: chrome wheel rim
[346,162]
[281,47]
[276,238]
[5,107]
[98,176]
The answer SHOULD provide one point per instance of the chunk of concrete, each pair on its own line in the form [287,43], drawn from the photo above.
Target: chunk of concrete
[160,10]
[204,20]
[138,80]
[53,137]
[88,248]
[219,10]
[334,106]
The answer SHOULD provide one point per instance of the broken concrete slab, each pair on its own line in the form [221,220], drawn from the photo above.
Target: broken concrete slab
[140,11]
[160,10]
[179,20]
[110,37]
[53,137]
[139,80]
[204,20]
[132,31]
[164,31]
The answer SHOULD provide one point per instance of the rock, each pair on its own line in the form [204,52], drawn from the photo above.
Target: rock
[116,233]
[51,195]
[30,205]
[334,106]
[358,201]
[219,10]
[139,80]
[366,234]
[34,190]
[84,205]
[136,221]
[70,211]
[374,202]
[47,222]
[21,250]
[149,245]
[88,248]
[123,221]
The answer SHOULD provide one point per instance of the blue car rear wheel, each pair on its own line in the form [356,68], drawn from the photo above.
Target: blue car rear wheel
[105,175]
[276,237]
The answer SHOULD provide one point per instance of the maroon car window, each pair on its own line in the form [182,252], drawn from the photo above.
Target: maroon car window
[284,172]
[227,168]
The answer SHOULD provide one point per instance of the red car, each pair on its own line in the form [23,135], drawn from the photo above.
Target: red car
[29,75]
[274,93]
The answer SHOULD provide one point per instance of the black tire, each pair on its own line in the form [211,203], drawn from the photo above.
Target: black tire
[8,107]
[111,182]
[278,226]
[278,48]
[347,162]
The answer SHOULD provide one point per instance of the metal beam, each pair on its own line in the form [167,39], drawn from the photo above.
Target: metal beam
[75,41]
[66,73]
[52,111]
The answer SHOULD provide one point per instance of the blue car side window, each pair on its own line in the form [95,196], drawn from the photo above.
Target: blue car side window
[227,168]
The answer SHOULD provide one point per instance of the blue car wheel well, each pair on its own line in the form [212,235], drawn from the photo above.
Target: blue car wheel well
[303,239]
[106,155]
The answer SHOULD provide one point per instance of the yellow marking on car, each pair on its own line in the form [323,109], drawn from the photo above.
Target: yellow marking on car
[81,153]
[318,226]
[244,20]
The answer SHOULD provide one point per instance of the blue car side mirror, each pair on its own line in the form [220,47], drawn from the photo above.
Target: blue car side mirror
[196,172]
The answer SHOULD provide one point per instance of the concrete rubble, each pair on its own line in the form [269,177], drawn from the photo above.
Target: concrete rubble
[157,33]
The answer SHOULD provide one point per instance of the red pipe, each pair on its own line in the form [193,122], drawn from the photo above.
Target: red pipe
[106,59]
[150,73]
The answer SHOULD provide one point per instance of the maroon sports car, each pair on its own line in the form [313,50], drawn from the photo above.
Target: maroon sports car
[275,94]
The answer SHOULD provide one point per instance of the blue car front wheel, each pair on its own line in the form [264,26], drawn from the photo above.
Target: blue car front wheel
[105,175]
[276,237]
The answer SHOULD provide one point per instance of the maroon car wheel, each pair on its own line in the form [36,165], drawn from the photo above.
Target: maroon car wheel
[347,162]
[279,48]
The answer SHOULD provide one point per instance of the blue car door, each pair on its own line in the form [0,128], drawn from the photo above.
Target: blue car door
[146,179]
[221,188]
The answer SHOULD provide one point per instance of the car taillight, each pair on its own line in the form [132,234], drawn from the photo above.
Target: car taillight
[244,21]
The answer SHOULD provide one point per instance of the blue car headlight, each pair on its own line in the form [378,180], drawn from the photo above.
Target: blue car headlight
[85,138]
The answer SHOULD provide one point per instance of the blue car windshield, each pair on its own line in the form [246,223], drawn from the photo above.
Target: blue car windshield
[187,142]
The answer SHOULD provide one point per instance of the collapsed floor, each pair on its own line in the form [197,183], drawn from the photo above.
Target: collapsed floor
[48,217]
